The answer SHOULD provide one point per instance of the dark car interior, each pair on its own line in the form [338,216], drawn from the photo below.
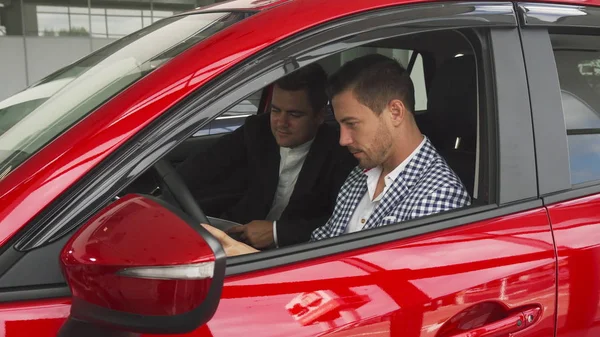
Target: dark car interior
[445,64]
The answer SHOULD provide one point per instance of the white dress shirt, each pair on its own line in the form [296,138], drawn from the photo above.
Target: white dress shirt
[369,201]
[290,166]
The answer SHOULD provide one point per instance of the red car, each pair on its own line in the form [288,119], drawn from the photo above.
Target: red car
[506,91]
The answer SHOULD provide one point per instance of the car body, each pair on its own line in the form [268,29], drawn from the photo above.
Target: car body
[529,244]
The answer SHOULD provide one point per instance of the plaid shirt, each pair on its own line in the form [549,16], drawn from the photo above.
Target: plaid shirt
[426,186]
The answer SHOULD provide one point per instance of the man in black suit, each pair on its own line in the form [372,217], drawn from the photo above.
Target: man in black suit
[292,159]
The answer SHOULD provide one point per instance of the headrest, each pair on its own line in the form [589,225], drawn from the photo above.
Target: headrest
[571,79]
[578,114]
[452,99]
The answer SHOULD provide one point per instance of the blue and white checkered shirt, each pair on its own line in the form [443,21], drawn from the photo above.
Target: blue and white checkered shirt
[426,186]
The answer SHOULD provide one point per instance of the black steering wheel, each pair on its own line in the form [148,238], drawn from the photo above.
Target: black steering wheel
[173,187]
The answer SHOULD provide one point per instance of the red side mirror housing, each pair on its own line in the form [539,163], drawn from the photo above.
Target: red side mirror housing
[141,265]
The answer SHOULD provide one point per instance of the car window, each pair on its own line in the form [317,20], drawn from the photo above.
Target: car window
[458,144]
[234,117]
[12,114]
[450,118]
[75,91]
[578,65]
[248,106]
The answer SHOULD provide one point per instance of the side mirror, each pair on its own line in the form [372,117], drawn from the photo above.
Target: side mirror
[140,265]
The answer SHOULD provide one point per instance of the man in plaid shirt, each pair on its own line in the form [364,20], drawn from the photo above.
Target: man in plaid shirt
[400,175]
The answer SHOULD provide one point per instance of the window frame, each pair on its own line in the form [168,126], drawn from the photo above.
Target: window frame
[552,152]
[512,194]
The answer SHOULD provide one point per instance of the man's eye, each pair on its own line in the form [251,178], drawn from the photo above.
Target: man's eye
[296,115]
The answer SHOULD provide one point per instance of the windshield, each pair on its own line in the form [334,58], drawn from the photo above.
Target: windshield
[35,116]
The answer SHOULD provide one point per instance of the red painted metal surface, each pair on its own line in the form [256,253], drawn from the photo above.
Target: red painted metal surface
[33,318]
[112,241]
[576,226]
[407,288]
[133,224]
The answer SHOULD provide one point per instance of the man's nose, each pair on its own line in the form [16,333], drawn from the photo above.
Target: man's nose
[345,138]
[282,120]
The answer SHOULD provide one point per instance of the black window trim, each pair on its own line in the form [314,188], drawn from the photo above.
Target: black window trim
[183,120]
[517,175]
[34,293]
[578,191]
[558,15]
[552,153]
[583,131]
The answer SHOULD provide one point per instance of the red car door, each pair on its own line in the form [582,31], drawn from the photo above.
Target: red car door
[563,67]
[575,224]
[486,276]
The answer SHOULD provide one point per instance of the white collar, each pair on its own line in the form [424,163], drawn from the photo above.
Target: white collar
[298,150]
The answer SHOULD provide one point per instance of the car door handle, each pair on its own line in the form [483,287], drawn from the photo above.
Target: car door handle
[515,322]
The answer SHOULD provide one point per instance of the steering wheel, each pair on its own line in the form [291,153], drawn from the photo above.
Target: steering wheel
[172,186]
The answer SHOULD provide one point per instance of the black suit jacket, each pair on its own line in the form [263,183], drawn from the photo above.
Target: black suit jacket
[253,148]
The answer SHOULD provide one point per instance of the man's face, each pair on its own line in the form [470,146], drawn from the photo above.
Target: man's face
[293,121]
[361,130]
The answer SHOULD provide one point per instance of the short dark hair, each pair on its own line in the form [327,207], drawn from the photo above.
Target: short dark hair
[311,78]
[375,80]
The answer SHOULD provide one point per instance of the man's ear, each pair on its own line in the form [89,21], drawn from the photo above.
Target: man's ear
[397,111]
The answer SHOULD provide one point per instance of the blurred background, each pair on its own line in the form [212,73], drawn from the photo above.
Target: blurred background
[38,37]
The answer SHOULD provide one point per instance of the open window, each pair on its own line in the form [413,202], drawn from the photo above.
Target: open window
[445,69]
[443,66]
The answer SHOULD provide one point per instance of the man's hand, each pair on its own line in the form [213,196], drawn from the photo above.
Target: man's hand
[257,233]
[231,246]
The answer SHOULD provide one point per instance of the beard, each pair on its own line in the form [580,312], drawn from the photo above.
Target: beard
[378,152]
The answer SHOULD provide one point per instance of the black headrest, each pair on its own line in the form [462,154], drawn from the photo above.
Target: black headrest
[452,99]
[573,81]
[578,113]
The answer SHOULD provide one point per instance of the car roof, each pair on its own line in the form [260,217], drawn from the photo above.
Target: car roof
[261,5]
[257,5]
